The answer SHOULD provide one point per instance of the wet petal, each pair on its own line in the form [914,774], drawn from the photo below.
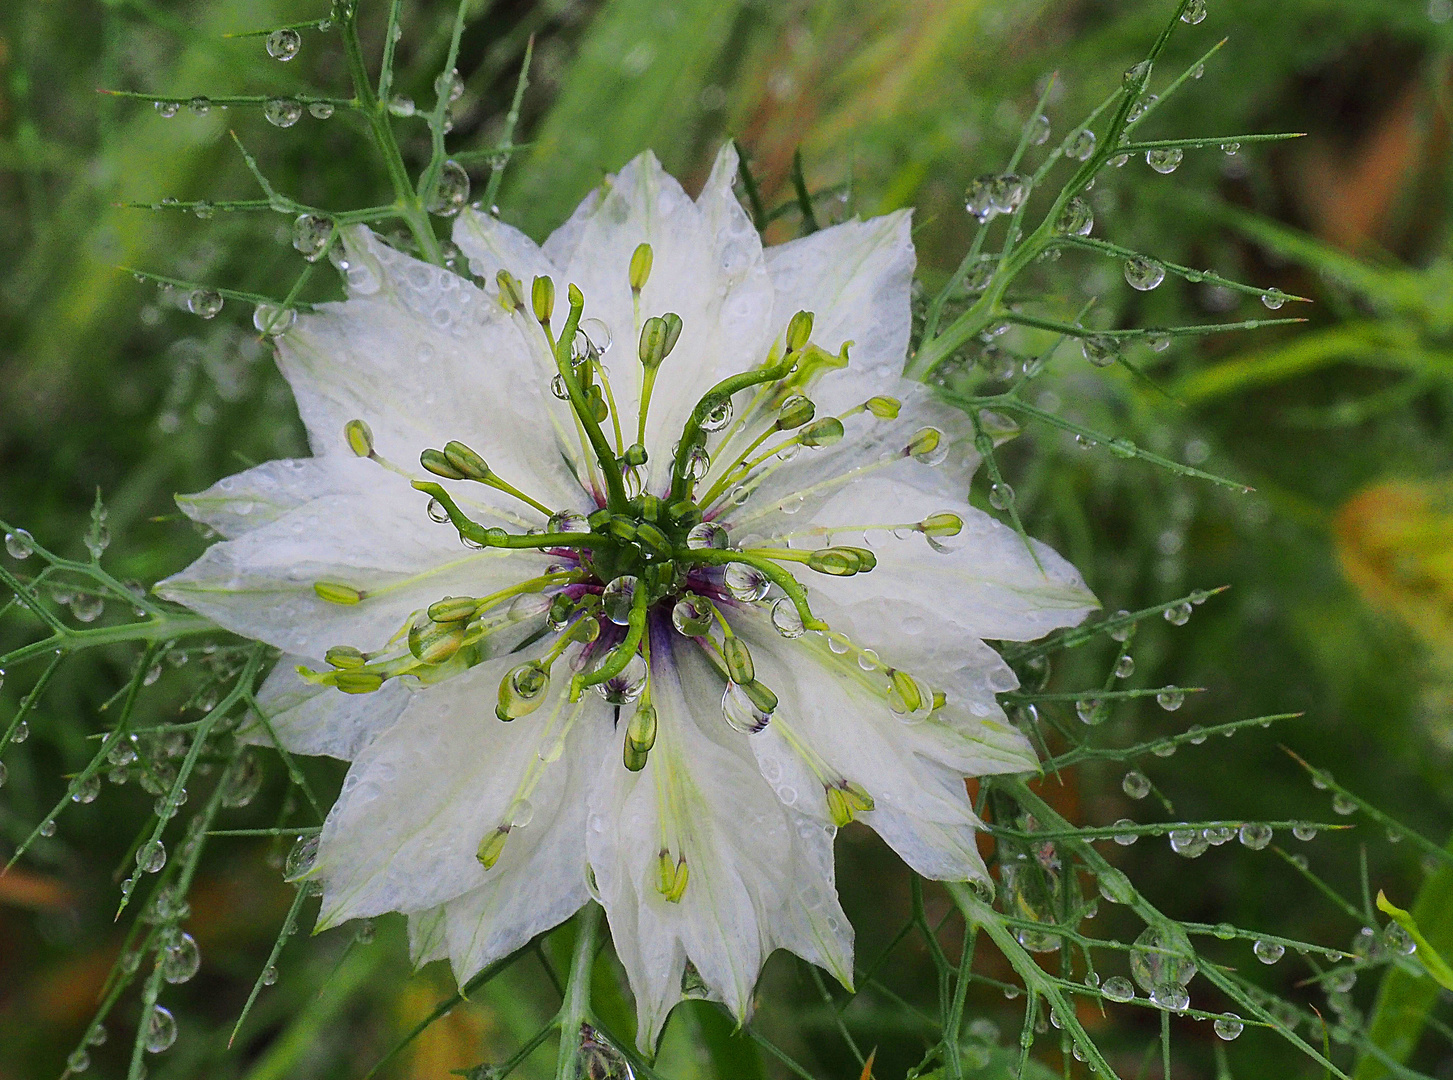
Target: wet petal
[320,720]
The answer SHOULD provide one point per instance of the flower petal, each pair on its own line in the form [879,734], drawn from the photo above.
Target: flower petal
[760,875]
[423,356]
[320,720]
[266,492]
[856,279]
[418,800]
[261,584]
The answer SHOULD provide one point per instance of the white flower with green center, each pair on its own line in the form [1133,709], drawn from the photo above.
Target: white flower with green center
[634,574]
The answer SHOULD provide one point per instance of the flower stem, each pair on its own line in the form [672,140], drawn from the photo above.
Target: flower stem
[576,1008]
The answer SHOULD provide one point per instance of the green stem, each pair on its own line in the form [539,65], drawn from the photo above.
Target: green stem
[578,404]
[163,628]
[776,574]
[722,391]
[576,1008]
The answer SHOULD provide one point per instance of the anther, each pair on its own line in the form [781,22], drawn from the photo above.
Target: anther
[522,690]
[542,298]
[924,442]
[658,337]
[671,877]
[345,657]
[435,642]
[437,462]
[465,461]
[358,682]
[794,412]
[822,432]
[360,438]
[837,561]
[453,609]
[846,800]
[335,593]
[641,260]
[635,456]
[799,330]
[511,295]
[884,408]
[738,660]
[760,695]
[492,846]
[905,694]
[944,523]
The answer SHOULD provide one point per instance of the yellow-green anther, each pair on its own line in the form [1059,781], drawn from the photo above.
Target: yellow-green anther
[437,463]
[542,298]
[453,608]
[584,630]
[924,441]
[866,559]
[641,260]
[738,660]
[360,438]
[905,691]
[522,690]
[940,699]
[845,801]
[641,731]
[492,846]
[760,695]
[636,455]
[511,295]
[622,527]
[345,657]
[822,432]
[595,402]
[658,338]
[358,682]
[671,876]
[434,642]
[799,330]
[944,523]
[574,296]
[633,758]
[884,408]
[794,412]
[839,562]
[465,461]
[335,593]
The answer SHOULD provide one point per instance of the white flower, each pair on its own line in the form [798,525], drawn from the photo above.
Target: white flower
[790,605]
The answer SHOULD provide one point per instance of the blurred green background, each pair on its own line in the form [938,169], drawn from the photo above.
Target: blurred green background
[1340,564]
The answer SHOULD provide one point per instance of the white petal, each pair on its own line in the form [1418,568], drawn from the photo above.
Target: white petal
[420,798]
[266,492]
[261,584]
[320,720]
[855,278]
[423,356]
[760,874]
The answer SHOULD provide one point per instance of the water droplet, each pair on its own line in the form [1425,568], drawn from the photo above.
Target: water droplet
[1082,146]
[1231,149]
[1125,667]
[402,106]
[1001,496]
[521,812]
[451,192]
[1229,1026]
[1091,710]
[1158,342]
[1273,299]
[1303,831]
[436,512]
[1143,274]
[1100,350]
[19,544]
[151,857]
[1256,835]
[745,582]
[284,44]
[311,234]
[598,1060]
[1135,784]
[87,608]
[1039,129]
[1268,952]
[1125,839]
[1178,614]
[301,859]
[719,417]
[47,827]
[86,790]
[1076,219]
[78,1062]
[741,711]
[1191,843]
[180,959]
[204,303]
[160,1030]
[282,112]
[1135,77]
[698,463]
[1165,161]
[617,598]
[273,321]
[1343,804]
[1171,698]
[1162,956]
[786,619]
[691,616]
[1118,988]
[626,686]
[320,110]
[166,109]
[269,975]
[978,199]
[568,521]
[1007,192]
